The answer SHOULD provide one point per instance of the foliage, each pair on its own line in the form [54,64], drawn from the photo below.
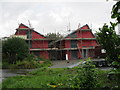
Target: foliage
[54,36]
[114,76]
[115,13]
[27,63]
[15,49]
[60,78]
[85,77]
[109,41]
[41,78]
[6,65]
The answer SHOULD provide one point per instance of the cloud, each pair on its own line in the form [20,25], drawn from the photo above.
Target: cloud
[53,16]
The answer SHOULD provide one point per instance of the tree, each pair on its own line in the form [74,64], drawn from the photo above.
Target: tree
[115,11]
[15,49]
[54,36]
[109,40]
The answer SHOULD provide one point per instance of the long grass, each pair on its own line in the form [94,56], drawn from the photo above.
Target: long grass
[51,78]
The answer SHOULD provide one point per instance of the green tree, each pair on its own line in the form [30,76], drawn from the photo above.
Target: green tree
[15,49]
[115,11]
[109,40]
[54,36]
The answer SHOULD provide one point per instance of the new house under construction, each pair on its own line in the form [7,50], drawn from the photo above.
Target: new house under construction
[81,43]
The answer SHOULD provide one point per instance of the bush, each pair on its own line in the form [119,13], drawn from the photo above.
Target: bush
[27,63]
[31,62]
[85,77]
[15,49]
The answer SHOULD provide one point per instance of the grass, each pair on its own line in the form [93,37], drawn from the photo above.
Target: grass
[52,77]
[41,78]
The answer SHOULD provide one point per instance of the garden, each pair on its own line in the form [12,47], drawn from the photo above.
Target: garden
[85,76]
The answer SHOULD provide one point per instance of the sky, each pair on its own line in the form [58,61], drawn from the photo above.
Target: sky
[53,16]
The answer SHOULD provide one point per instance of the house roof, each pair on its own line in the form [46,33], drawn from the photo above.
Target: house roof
[22,26]
[83,27]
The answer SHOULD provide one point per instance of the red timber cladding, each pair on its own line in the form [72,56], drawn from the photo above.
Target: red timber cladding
[44,54]
[85,27]
[85,34]
[20,32]
[67,44]
[22,26]
[35,35]
[89,43]
[39,44]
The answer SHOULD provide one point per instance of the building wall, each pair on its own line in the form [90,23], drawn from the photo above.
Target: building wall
[36,35]
[35,43]
[85,27]
[44,54]
[67,44]
[39,44]
[82,43]
[20,32]
[84,34]
[22,26]
[88,43]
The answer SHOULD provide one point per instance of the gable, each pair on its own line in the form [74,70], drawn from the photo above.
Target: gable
[36,35]
[85,34]
[85,27]
[20,32]
[76,33]
[23,30]
[23,26]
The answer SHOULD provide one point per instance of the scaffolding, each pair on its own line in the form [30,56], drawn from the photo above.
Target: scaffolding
[57,49]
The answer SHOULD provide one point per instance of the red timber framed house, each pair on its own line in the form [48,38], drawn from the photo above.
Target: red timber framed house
[81,43]
[38,44]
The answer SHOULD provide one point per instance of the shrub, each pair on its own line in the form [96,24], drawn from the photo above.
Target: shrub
[15,49]
[114,76]
[85,77]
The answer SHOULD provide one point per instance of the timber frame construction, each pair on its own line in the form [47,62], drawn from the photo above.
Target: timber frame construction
[81,43]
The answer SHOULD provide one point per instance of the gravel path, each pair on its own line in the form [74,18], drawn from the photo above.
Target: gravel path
[64,63]
[71,64]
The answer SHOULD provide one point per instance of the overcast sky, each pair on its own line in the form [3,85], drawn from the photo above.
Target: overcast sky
[52,16]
